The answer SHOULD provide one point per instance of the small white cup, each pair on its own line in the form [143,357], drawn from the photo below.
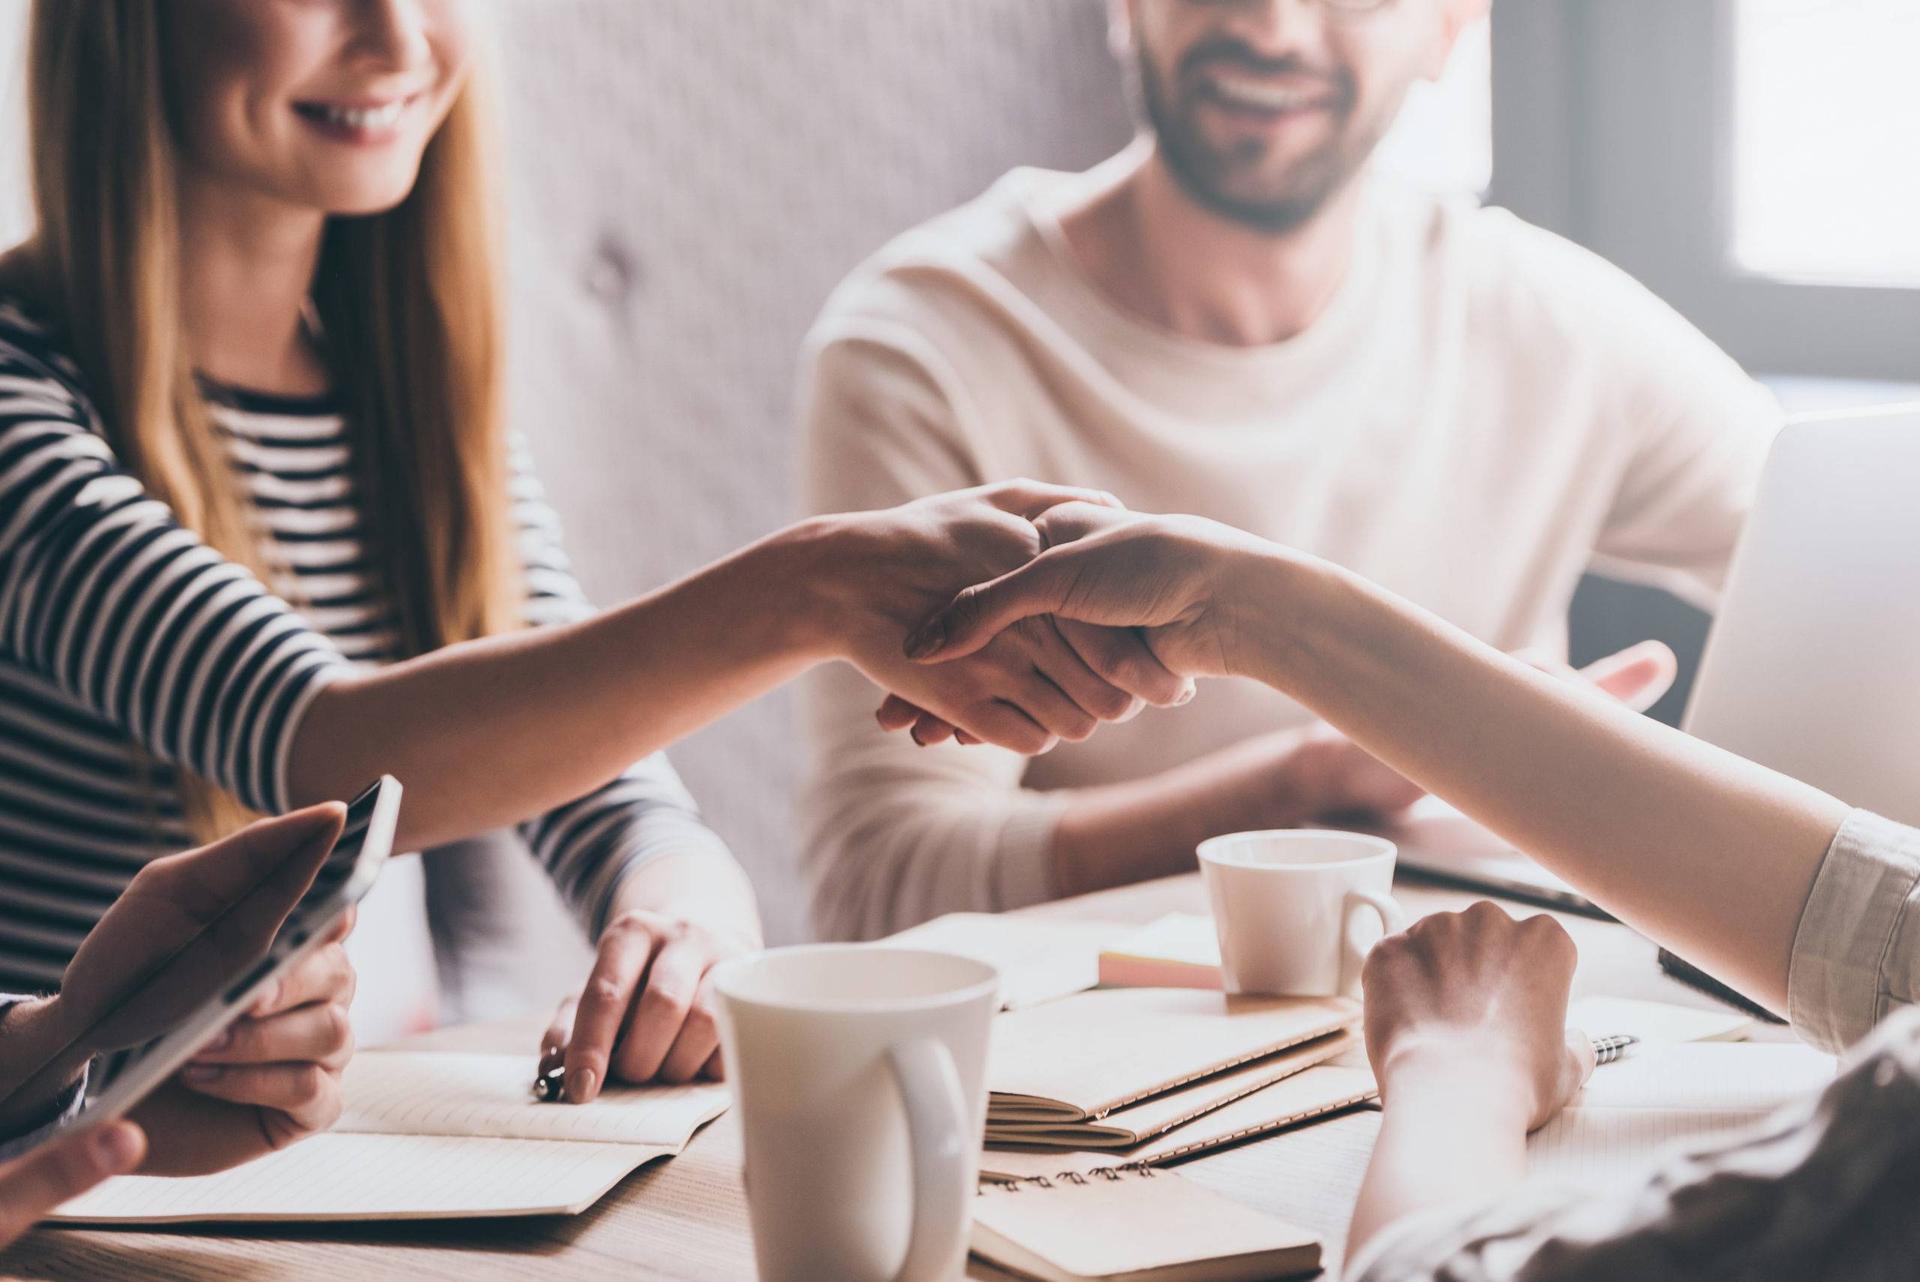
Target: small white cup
[860,1076]
[1284,903]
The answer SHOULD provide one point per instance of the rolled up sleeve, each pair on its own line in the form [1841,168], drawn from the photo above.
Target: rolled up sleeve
[1856,953]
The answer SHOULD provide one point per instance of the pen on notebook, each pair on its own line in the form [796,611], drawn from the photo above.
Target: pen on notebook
[550,1078]
[1611,1047]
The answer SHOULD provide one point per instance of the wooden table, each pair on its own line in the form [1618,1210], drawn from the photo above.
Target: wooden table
[687,1218]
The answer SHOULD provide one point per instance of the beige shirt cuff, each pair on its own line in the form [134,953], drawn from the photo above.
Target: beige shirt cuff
[1856,953]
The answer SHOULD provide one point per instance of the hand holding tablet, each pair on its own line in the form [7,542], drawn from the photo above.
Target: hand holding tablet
[239,938]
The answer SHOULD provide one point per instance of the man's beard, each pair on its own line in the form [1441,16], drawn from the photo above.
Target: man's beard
[1207,173]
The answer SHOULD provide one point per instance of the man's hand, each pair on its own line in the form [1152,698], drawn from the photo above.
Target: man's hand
[38,1183]
[647,1013]
[271,1079]
[1476,997]
[895,567]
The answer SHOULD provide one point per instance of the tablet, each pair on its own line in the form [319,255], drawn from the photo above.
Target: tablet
[126,1077]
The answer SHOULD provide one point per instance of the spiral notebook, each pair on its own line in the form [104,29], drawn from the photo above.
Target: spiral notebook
[1082,1057]
[1138,1123]
[1134,1226]
[1307,1096]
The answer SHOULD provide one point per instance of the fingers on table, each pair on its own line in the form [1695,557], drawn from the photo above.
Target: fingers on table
[647,1012]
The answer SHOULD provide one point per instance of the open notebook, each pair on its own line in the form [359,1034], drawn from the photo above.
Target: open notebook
[1134,1226]
[1634,1111]
[430,1136]
[1082,1057]
[1293,1101]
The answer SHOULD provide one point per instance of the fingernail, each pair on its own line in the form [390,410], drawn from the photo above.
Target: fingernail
[580,1089]
[201,1074]
[926,641]
[114,1149]
[1186,696]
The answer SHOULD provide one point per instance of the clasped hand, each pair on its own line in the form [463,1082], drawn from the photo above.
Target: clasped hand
[1036,680]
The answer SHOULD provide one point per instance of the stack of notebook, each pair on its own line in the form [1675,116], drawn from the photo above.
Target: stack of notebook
[1092,1093]
[1120,1077]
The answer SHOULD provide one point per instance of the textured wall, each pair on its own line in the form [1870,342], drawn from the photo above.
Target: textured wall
[690,180]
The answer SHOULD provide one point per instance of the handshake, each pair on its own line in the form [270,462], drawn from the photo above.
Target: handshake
[1021,614]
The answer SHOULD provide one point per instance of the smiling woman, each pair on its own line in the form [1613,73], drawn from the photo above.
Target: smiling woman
[264,534]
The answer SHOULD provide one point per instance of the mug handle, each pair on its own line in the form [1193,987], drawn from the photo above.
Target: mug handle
[929,1086]
[1393,920]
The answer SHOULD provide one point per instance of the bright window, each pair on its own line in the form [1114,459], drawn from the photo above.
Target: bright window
[1826,140]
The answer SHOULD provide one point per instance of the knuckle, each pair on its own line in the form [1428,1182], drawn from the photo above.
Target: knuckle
[603,990]
[665,1001]
[339,1026]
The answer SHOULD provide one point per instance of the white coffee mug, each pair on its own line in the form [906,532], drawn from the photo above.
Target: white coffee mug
[860,1075]
[1284,904]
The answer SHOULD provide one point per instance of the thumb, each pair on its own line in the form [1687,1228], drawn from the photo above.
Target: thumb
[62,1170]
[1637,676]
[983,612]
[1581,1061]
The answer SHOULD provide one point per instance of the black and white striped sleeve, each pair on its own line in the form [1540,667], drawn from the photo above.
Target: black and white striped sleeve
[109,597]
[590,845]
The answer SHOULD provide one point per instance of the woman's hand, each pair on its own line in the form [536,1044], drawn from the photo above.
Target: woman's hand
[1173,577]
[38,1183]
[1476,997]
[271,1079]
[892,568]
[647,1013]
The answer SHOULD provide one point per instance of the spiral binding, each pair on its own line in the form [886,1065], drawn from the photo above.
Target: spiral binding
[1111,1174]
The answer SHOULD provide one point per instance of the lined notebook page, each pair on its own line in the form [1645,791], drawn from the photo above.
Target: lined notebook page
[429,1093]
[1632,1113]
[376,1177]
[1038,959]
[1093,1052]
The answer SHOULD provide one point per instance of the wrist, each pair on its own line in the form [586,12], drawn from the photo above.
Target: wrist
[1459,1075]
[1271,597]
[799,575]
[38,1051]
[699,886]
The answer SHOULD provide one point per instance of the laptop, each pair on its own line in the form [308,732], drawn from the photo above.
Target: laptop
[1812,666]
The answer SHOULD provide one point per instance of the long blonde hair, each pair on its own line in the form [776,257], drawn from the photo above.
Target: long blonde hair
[408,301]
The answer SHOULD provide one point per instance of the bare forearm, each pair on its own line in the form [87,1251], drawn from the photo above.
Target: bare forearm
[1691,845]
[1118,834]
[1448,1135]
[489,732]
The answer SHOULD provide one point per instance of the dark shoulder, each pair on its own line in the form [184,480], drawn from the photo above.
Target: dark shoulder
[34,356]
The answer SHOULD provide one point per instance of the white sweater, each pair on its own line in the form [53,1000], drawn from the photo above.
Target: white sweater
[1483,410]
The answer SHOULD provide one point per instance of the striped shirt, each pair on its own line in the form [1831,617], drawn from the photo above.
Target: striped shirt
[128,648]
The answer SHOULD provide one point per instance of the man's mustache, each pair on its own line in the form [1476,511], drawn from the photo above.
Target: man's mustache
[1227,51]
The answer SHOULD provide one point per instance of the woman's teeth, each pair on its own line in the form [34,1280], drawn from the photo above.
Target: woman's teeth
[384,117]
